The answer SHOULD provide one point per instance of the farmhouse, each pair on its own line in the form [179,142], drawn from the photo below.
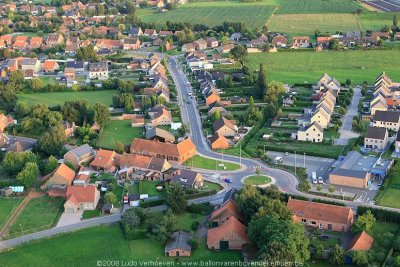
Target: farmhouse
[218,141]
[227,210]
[172,152]
[161,135]
[376,138]
[162,118]
[322,216]
[81,198]
[230,235]
[301,42]
[104,161]
[79,155]
[313,133]
[178,245]
[279,41]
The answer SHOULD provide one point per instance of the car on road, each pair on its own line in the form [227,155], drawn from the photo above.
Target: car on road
[380,183]
[286,153]
[314,180]
[227,180]
[188,102]
[320,180]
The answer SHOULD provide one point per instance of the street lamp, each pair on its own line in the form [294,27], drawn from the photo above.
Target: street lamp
[22,233]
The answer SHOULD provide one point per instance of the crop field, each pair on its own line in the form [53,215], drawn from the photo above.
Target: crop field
[306,24]
[307,67]
[376,21]
[317,6]
[59,98]
[253,15]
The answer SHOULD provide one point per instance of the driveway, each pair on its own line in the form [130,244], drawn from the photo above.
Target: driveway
[347,123]
[69,218]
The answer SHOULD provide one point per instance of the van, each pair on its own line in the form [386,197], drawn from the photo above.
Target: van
[278,160]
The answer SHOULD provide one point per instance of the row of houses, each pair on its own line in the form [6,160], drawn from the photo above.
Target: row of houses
[315,121]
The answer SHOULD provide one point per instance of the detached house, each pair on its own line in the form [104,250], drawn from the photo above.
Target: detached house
[301,42]
[79,155]
[131,44]
[279,41]
[188,47]
[362,241]
[188,179]
[80,198]
[200,44]
[376,138]
[63,175]
[227,210]
[322,216]
[98,70]
[218,141]
[225,127]
[54,39]
[162,118]
[50,66]
[212,42]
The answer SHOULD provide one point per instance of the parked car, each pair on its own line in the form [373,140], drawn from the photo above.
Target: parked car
[227,180]
[320,180]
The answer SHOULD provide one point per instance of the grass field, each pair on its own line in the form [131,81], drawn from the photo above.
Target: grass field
[147,187]
[210,164]
[99,243]
[301,67]
[390,194]
[6,207]
[317,6]
[306,24]
[253,14]
[376,21]
[59,98]
[39,214]
[119,131]
[258,180]
[186,219]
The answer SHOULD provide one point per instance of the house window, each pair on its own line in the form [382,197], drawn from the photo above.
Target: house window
[300,213]
[303,220]
[313,223]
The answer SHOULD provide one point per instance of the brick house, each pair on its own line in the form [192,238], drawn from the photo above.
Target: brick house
[105,160]
[322,216]
[63,175]
[227,210]
[361,241]
[162,118]
[178,245]
[81,198]
[172,152]
[50,66]
[230,235]
[79,155]
[225,127]
[218,141]
[188,179]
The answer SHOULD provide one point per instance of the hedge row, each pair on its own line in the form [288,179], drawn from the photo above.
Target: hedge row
[381,214]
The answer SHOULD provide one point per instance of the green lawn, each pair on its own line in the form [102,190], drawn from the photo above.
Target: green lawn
[317,6]
[210,164]
[39,214]
[212,186]
[88,214]
[389,195]
[119,131]
[147,187]
[214,13]
[301,67]
[59,98]
[258,180]
[186,219]
[86,247]
[376,21]
[7,205]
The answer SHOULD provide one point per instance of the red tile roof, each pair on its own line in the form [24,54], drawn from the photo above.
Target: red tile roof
[140,146]
[320,211]
[77,194]
[104,159]
[361,241]
[229,206]
[223,232]
[66,172]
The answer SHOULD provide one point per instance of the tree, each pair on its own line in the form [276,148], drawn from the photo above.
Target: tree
[119,148]
[101,114]
[52,142]
[334,44]
[161,225]
[319,252]
[364,222]
[319,187]
[395,21]
[14,162]
[337,257]
[133,217]
[28,175]
[359,257]
[261,84]
[36,84]
[348,82]
[278,239]
[249,200]
[273,91]
[331,189]
[110,197]
[239,52]
[216,115]
[51,165]
[176,198]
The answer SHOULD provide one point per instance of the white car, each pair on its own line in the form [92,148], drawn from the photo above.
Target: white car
[314,180]
[320,180]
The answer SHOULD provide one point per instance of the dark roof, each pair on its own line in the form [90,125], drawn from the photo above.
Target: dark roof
[185,178]
[158,132]
[74,64]
[156,164]
[350,173]
[387,116]
[229,195]
[376,133]
[179,240]
[218,124]
[398,136]
[82,150]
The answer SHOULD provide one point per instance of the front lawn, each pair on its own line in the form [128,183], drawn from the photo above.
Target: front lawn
[59,98]
[119,131]
[147,187]
[86,247]
[389,194]
[258,180]
[39,214]
[210,164]
[7,205]
[186,219]
[88,214]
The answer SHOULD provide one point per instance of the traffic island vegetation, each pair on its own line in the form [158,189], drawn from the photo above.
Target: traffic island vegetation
[258,180]
[200,162]
[38,214]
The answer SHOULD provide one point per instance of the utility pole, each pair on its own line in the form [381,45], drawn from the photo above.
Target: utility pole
[222,156]
[295,158]
[264,150]
[240,154]
[304,160]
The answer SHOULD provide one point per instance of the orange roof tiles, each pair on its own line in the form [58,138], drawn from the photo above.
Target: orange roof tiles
[77,194]
[49,65]
[66,172]
[134,160]
[361,241]
[320,211]
[230,207]
[104,159]
[141,145]
[222,232]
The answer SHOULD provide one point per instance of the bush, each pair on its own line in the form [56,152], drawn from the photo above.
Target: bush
[132,233]
[195,226]
[202,208]
[380,214]
[193,243]
[153,203]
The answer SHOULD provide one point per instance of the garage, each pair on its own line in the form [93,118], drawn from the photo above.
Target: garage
[69,210]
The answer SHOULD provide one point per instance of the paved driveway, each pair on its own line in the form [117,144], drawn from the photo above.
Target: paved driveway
[69,218]
[345,130]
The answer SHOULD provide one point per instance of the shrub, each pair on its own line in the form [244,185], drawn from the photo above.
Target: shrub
[195,226]
[193,243]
